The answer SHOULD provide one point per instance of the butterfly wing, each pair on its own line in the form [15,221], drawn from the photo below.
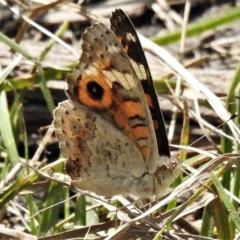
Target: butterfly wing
[99,156]
[127,36]
[106,130]
[105,82]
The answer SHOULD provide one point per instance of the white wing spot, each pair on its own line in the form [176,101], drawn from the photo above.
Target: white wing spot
[139,70]
[129,36]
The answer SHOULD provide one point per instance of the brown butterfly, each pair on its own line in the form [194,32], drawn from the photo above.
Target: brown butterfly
[111,130]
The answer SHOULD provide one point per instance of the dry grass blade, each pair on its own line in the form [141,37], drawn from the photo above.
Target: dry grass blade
[197,178]
[6,234]
[40,203]
[176,67]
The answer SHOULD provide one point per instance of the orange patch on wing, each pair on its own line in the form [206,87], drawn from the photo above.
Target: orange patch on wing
[149,100]
[133,108]
[85,98]
[126,48]
[121,117]
[120,38]
[128,109]
[140,132]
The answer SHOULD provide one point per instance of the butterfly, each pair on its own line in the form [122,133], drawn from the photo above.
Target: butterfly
[111,130]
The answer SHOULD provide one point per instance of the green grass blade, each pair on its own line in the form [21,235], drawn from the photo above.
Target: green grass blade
[207,222]
[80,211]
[195,29]
[45,90]
[16,47]
[231,179]
[6,130]
[8,194]
[50,215]
[229,206]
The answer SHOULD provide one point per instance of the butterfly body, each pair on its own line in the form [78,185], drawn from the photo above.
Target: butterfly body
[108,129]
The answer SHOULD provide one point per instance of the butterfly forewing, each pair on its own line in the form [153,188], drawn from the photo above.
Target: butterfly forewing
[105,82]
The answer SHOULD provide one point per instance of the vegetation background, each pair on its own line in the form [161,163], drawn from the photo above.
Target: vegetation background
[39,46]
